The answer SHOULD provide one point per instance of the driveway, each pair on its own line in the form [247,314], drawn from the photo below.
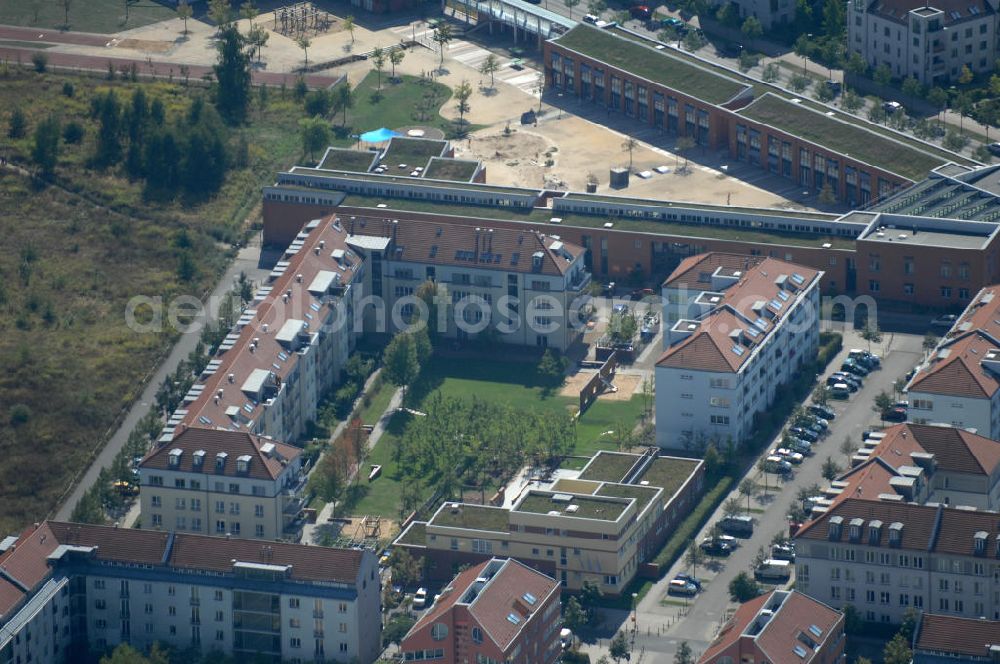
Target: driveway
[660,627]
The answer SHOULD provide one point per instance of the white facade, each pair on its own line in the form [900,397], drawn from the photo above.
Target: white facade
[927,43]
[700,401]
[982,415]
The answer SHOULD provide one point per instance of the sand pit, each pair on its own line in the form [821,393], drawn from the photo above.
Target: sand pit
[626,384]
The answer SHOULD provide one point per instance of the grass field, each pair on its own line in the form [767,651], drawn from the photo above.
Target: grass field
[371,413]
[499,382]
[70,260]
[101,16]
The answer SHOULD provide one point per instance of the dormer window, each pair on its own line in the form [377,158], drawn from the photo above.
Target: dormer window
[980,540]
[198,458]
[220,462]
[895,533]
[243,464]
[835,525]
[854,531]
[874,532]
[175,457]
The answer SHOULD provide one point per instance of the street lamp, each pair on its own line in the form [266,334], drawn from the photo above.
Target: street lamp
[805,54]
[635,625]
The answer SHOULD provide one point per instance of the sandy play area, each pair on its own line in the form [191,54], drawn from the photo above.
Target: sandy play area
[627,386]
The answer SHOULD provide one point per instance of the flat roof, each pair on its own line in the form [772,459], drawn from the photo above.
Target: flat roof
[840,137]
[609,466]
[459,170]
[407,180]
[587,507]
[412,151]
[670,473]
[658,66]
[543,215]
[473,517]
[642,494]
[344,159]
[772,212]
[928,238]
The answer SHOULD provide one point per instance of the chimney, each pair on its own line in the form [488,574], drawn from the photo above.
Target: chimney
[322,244]
[232,378]
[298,277]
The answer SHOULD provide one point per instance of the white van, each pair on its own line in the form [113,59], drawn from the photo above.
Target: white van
[774,571]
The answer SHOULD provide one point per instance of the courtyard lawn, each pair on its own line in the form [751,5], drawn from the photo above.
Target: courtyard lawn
[501,382]
[371,413]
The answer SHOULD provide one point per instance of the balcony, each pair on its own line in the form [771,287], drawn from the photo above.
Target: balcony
[318,633]
[317,614]
[195,601]
[580,282]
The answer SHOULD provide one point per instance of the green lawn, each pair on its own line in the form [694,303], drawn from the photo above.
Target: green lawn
[500,382]
[380,401]
[101,16]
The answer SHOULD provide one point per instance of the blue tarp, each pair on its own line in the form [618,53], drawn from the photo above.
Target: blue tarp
[378,135]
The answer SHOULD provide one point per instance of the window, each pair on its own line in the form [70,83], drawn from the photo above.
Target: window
[946,291]
[234,488]
[720,419]
[295,642]
[611,580]
[908,289]
[179,504]
[873,285]
[156,501]
[195,504]
[293,602]
[258,530]
[258,511]
[439,631]
[220,507]
[482,546]
[157,520]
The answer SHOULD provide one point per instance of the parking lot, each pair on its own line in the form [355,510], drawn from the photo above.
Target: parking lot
[663,621]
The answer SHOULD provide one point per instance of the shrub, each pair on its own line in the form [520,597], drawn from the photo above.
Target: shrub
[743,588]
[73,132]
[19,414]
[40,61]
[68,89]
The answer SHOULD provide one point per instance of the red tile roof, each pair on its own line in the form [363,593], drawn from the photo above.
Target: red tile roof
[958,371]
[955,450]
[27,561]
[732,630]
[791,626]
[955,11]
[957,636]
[272,312]
[711,346]
[696,271]
[10,597]
[214,441]
[504,595]
[506,249]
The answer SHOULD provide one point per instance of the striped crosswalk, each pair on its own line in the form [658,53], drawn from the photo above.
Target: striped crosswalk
[471,55]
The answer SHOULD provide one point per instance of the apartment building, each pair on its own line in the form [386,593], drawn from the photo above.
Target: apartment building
[930,41]
[79,586]
[287,348]
[949,640]
[923,463]
[885,557]
[780,626]
[736,329]
[959,383]
[497,611]
[522,285]
[599,524]
[215,481]
[770,13]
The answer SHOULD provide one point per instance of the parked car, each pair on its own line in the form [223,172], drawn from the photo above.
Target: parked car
[620,309]
[946,320]
[798,445]
[873,361]
[891,107]
[788,455]
[690,579]
[994,149]
[678,587]
[774,571]
[125,488]
[835,380]
[640,293]
[672,21]
[894,415]
[820,423]
[857,381]
[777,465]
[783,552]
[740,526]
[833,86]
[565,637]
[420,598]
[822,411]
[840,391]
[715,547]
[856,368]
[804,434]
[590,18]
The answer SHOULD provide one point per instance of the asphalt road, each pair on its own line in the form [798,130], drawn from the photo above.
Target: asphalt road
[661,627]
[246,261]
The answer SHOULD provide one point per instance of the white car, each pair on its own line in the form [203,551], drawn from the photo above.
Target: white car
[420,598]
[790,456]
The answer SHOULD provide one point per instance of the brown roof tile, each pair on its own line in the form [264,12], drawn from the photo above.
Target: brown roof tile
[732,630]
[955,369]
[695,271]
[701,352]
[957,636]
[955,450]
[507,249]
[798,613]
[214,441]
[146,547]
[10,597]
[503,596]
[26,562]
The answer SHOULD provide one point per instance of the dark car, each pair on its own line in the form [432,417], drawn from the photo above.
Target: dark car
[783,552]
[835,380]
[640,293]
[894,415]
[854,368]
[851,378]
[822,411]
[714,547]
[804,434]
[690,579]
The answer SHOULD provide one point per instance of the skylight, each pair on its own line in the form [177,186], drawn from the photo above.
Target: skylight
[783,296]
[800,651]
[798,278]
[529,598]
[513,619]
[753,332]
[816,631]
[776,304]
[739,350]
[761,323]
[314,307]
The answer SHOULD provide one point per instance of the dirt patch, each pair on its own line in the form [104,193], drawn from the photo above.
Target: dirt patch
[626,384]
[146,45]
[388,527]
[518,158]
